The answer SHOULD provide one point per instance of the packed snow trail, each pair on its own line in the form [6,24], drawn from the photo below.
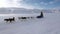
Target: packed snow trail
[50,24]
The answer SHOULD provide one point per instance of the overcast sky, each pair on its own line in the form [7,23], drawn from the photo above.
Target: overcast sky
[41,4]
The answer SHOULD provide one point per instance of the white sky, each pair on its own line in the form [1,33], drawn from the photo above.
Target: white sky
[8,3]
[13,3]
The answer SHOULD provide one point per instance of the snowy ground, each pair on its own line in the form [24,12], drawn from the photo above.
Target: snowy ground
[50,24]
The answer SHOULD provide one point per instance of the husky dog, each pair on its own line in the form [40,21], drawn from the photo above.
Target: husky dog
[10,19]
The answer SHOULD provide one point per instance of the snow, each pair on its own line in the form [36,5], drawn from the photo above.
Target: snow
[50,24]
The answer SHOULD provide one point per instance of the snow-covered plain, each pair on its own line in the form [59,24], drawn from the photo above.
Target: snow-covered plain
[50,24]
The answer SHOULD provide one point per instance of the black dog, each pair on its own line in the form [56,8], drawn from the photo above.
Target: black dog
[10,19]
[22,17]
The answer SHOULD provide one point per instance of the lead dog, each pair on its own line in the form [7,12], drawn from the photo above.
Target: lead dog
[10,19]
